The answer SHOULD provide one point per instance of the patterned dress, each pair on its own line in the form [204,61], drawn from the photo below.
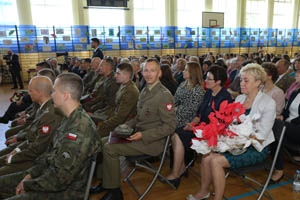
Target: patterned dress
[187,102]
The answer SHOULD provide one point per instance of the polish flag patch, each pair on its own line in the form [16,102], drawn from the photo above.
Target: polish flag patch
[169,106]
[72,136]
[45,129]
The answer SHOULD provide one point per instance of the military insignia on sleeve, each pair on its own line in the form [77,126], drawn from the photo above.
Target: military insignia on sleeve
[45,129]
[169,106]
[72,136]
[66,155]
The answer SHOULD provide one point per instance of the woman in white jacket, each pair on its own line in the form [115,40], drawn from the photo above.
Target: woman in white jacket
[256,102]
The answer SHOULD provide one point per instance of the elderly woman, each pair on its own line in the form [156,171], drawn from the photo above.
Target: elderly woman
[271,89]
[256,102]
[181,140]
[295,86]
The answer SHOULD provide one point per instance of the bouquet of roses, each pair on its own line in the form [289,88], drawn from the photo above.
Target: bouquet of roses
[229,130]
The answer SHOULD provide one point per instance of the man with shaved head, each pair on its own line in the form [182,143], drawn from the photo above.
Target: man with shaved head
[62,171]
[284,80]
[32,141]
[95,76]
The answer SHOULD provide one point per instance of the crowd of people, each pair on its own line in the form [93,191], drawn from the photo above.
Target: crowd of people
[69,114]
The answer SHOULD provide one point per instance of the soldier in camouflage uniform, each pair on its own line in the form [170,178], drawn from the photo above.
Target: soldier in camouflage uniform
[125,103]
[89,71]
[154,121]
[62,172]
[105,90]
[39,133]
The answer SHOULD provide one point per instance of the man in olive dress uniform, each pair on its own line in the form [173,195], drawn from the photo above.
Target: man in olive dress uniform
[155,120]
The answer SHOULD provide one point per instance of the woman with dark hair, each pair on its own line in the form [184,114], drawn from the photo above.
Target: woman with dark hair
[206,65]
[167,79]
[181,140]
[291,116]
[271,89]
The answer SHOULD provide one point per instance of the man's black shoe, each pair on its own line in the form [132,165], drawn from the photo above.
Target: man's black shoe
[115,194]
[21,88]
[97,189]
[3,120]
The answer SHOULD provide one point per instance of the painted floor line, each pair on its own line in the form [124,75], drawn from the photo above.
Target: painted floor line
[240,196]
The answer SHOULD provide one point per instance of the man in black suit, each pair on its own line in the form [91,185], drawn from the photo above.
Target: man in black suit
[14,68]
[97,50]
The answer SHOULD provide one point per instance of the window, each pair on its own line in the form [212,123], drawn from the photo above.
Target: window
[229,7]
[189,12]
[149,12]
[106,17]
[52,12]
[256,13]
[8,12]
[283,14]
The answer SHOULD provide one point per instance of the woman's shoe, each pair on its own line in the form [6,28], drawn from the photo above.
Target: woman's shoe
[276,181]
[185,173]
[175,182]
[191,197]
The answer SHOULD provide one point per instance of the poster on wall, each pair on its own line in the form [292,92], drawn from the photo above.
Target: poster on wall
[139,32]
[59,31]
[44,32]
[28,47]
[130,45]
[78,47]
[25,39]
[61,47]
[157,32]
[46,48]
[94,32]
[29,31]
[46,40]
[115,46]
[66,38]
[77,32]
[2,33]
[7,42]
[83,40]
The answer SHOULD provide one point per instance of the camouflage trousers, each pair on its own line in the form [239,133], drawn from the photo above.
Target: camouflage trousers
[8,184]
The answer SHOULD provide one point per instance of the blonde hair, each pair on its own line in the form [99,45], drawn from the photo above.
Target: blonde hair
[194,59]
[256,70]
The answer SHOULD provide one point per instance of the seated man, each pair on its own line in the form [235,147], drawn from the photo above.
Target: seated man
[154,121]
[86,63]
[28,115]
[126,100]
[105,90]
[95,77]
[284,80]
[62,172]
[38,135]
[22,104]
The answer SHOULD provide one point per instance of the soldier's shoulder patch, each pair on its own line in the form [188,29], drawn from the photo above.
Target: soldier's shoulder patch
[169,106]
[71,136]
[45,129]
[66,155]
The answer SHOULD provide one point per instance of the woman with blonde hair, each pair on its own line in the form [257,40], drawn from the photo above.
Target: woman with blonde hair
[256,103]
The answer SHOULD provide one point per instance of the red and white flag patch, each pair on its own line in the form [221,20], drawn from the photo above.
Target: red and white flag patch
[45,129]
[169,106]
[72,136]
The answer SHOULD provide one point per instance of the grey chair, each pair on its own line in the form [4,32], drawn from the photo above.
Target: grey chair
[141,161]
[92,161]
[241,172]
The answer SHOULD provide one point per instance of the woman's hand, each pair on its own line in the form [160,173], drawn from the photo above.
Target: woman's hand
[188,127]
[280,117]
[254,138]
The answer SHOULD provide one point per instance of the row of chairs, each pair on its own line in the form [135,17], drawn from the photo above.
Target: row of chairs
[142,162]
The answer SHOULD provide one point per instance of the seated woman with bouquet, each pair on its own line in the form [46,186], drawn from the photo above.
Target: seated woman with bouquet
[258,106]
[181,140]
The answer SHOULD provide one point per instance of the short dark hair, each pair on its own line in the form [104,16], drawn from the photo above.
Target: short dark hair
[271,70]
[286,63]
[72,83]
[96,40]
[87,60]
[153,60]
[47,72]
[110,62]
[126,67]
[43,64]
[219,73]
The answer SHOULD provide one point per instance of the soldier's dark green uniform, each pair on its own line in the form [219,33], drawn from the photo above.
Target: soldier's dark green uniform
[88,76]
[62,172]
[155,119]
[38,137]
[125,108]
[91,84]
[104,94]
[30,112]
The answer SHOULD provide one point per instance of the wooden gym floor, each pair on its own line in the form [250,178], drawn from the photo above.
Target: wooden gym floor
[235,189]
